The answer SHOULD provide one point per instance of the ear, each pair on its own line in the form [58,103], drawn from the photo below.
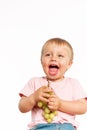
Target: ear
[70,64]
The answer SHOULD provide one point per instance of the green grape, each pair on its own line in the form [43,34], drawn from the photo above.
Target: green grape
[44,106]
[49,120]
[46,116]
[52,116]
[40,104]
[47,113]
[47,110]
[55,112]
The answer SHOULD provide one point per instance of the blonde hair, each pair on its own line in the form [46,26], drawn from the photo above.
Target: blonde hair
[59,42]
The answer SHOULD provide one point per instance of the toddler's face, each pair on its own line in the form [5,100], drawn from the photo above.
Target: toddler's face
[55,61]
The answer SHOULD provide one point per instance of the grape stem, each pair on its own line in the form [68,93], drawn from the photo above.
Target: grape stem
[48,83]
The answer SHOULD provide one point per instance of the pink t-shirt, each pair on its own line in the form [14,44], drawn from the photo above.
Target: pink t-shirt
[68,89]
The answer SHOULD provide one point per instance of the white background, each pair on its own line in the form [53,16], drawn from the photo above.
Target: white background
[24,27]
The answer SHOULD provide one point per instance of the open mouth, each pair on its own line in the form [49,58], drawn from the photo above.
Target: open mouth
[53,69]
[53,66]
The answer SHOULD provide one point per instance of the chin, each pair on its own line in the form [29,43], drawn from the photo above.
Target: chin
[53,78]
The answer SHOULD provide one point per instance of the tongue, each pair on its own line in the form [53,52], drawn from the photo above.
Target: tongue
[53,71]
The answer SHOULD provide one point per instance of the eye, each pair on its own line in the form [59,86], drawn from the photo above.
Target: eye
[48,54]
[60,55]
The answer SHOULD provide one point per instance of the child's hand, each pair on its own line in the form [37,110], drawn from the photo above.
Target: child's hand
[54,102]
[42,94]
[46,97]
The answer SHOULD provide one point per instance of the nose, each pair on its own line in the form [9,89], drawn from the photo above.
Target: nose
[54,58]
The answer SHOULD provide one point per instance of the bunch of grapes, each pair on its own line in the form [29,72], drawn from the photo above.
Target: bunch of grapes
[47,113]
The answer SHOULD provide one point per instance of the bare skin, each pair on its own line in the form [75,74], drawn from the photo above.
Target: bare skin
[58,56]
[54,102]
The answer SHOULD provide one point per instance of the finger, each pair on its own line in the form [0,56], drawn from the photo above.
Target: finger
[51,100]
[51,107]
[44,99]
[46,95]
[48,89]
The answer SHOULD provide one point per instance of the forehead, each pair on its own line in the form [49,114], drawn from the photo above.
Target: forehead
[57,43]
[54,46]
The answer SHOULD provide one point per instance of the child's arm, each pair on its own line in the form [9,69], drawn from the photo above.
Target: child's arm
[70,107]
[27,103]
[73,107]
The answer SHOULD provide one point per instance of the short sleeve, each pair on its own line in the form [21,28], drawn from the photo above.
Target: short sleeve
[28,89]
[78,91]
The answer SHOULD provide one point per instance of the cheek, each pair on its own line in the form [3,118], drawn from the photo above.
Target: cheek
[44,61]
[44,65]
[65,64]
